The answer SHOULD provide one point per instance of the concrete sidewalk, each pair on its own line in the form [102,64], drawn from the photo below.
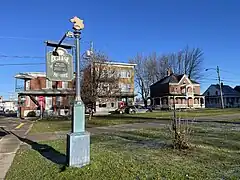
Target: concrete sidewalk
[9,144]
[8,147]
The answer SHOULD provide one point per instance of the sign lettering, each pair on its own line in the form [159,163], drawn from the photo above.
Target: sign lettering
[60,68]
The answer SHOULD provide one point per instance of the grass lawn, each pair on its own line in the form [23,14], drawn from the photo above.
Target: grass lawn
[142,154]
[188,114]
[65,125]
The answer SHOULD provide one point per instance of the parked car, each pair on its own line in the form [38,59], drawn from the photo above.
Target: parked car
[136,109]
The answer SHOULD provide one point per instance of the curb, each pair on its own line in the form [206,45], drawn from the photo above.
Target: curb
[29,129]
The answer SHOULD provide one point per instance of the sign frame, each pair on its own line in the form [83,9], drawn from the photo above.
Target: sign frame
[59,68]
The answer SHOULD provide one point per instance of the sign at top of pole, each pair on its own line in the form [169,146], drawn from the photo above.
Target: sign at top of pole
[60,67]
[77,23]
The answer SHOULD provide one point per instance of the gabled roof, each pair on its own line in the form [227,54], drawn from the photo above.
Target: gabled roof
[173,78]
[226,89]
[237,88]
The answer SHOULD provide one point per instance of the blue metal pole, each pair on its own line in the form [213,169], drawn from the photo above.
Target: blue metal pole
[78,141]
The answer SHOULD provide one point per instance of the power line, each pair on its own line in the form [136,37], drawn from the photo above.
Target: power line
[37,39]
[233,73]
[22,64]
[25,38]
[23,57]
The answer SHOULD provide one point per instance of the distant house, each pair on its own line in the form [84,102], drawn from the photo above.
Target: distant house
[237,88]
[231,97]
[176,90]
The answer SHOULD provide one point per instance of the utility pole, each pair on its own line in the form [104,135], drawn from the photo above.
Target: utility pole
[91,46]
[220,85]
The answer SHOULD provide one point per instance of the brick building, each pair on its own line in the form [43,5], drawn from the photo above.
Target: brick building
[124,91]
[57,96]
[178,90]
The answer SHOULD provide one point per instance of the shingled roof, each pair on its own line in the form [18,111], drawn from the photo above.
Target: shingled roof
[227,90]
[173,78]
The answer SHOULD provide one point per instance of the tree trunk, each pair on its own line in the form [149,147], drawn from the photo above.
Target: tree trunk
[90,114]
[145,102]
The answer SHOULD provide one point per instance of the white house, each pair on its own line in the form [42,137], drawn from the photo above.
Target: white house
[231,97]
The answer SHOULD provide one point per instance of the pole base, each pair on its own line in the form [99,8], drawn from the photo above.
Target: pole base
[78,149]
[78,117]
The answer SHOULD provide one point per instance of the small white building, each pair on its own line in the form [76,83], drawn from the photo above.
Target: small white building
[6,106]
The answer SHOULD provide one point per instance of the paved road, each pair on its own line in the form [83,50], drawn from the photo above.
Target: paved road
[9,143]
[13,124]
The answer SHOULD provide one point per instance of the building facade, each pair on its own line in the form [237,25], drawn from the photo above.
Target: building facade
[122,81]
[231,97]
[176,90]
[57,97]
[38,92]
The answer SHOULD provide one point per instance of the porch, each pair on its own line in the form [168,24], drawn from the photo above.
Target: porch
[55,102]
[180,102]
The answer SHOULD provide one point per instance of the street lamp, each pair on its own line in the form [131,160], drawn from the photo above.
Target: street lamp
[220,84]
[78,141]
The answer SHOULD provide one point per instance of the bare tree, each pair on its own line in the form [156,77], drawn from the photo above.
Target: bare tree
[188,61]
[100,79]
[147,71]
[152,68]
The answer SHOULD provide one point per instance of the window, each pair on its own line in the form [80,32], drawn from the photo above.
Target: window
[123,87]
[208,93]
[64,85]
[183,90]
[27,84]
[176,101]
[125,74]
[48,102]
[48,84]
[102,105]
[58,100]
[216,93]
[112,104]
[128,74]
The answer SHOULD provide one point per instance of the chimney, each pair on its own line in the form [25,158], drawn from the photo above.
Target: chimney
[169,72]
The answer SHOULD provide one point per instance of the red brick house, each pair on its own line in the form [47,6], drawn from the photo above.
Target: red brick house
[176,90]
[57,96]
